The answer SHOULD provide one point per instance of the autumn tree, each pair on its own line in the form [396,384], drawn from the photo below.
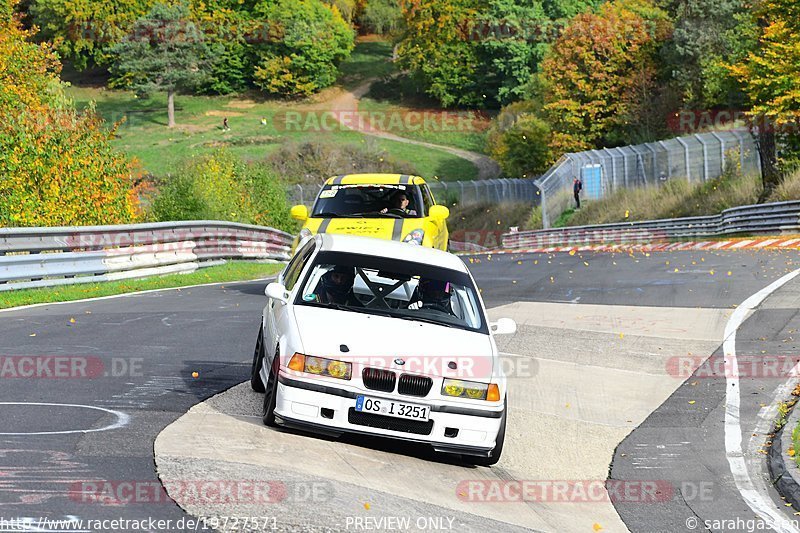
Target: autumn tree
[164,52]
[58,167]
[599,76]
[83,30]
[306,41]
[708,35]
[772,84]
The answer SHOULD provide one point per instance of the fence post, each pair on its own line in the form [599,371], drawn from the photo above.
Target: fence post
[624,166]
[655,162]
[669,158]
[686,158]
[741,148]
[639,162]
[721,151]
[545,217]
[705,156]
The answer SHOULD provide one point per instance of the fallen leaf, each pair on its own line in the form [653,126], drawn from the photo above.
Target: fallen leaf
[692,402]
[596,526]
[71,320]
[572,252]
[32,335]
[366,506]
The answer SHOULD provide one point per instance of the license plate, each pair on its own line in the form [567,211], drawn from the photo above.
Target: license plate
[382,406]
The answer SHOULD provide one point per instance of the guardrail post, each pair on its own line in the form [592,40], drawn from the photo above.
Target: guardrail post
[705,156]
[686,158]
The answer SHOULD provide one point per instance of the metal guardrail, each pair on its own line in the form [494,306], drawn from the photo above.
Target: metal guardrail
[774,218]
[43,257]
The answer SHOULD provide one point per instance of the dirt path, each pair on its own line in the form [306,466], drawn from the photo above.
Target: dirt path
[348,102]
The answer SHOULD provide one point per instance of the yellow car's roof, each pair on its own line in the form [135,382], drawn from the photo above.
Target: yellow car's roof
[377,179]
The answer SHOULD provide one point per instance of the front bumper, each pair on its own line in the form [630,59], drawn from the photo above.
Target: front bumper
[300,405]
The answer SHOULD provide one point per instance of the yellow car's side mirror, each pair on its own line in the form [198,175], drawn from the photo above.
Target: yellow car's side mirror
[299,212]
[438,212]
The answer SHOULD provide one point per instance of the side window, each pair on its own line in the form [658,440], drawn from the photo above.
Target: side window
[427,198]
[292,273]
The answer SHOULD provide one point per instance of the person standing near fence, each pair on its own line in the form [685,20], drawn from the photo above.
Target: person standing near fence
[577,187]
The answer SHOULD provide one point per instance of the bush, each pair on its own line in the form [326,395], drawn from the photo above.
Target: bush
[59,169]
[222,187]
[312,162]
[308,39]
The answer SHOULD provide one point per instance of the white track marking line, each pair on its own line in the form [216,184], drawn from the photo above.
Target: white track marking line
[753,492]
[135,293]
[122,419]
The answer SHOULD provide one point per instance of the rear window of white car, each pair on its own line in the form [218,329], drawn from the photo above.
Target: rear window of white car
[399,289]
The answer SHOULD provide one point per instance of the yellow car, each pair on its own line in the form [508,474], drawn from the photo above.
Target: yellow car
[395,207]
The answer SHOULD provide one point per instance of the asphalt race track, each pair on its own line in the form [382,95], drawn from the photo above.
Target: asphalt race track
[595,402]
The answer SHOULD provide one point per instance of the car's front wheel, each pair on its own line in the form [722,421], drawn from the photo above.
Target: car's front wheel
[498,447]
[258,361]
[271,396]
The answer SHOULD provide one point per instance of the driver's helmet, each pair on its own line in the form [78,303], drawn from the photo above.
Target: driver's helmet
[339,280]
[436,292]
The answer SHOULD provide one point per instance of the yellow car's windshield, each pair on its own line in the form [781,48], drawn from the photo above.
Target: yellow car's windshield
[369,201]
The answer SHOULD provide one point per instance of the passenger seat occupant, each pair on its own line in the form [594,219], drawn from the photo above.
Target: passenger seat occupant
[337,286]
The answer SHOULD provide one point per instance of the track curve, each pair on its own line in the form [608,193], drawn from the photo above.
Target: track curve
[594,331]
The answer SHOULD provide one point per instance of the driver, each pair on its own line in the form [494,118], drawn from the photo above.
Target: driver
[337,286]
[399,202]
[435,294]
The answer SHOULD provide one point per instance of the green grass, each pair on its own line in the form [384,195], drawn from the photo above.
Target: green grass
[370,59]
[231,271]
[160,150]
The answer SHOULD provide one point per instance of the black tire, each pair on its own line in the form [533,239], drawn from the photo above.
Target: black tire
[271,394]
[258,361]
[498,447]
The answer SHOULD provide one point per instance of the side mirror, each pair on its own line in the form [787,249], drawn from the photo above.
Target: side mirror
[503,326]
[276,291]
[438,212]
[299,212]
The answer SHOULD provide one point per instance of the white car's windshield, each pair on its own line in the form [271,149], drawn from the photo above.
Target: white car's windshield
[390,201]
[388,287]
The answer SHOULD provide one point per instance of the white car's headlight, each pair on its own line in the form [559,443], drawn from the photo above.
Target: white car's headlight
[471,389]
[415,237]
[320,366]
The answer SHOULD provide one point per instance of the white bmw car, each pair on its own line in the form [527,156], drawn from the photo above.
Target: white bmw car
[383,338]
